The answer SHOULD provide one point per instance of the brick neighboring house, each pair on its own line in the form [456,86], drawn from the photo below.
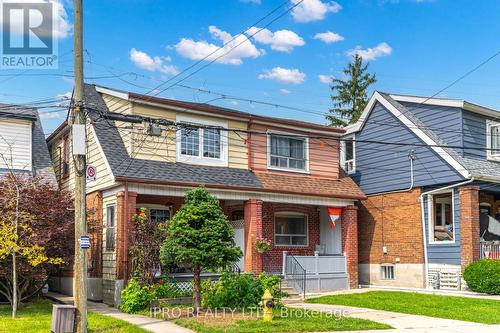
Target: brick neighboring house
[274,178]
[433,203]
[22,143]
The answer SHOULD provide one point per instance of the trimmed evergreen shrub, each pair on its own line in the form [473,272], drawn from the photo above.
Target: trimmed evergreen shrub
[483,276]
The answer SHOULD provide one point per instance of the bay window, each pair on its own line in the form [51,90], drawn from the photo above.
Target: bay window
[290,229]
[287,152]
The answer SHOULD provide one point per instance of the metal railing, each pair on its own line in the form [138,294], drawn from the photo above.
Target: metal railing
[490,249]
[295,274]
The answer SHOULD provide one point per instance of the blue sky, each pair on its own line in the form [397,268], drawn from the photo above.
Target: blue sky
[414,47]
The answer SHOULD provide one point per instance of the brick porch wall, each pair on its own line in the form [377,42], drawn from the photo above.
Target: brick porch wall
[94,227]
[469,224]
[350,243]
[122,234]
[273,259]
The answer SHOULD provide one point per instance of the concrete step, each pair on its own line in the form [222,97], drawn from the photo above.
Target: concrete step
[293,300]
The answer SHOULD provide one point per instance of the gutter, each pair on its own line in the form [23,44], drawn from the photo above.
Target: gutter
[424,237]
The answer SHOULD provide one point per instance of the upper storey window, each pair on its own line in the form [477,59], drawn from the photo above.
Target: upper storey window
[201,141]
[347,155]
[493,140]
[287,152]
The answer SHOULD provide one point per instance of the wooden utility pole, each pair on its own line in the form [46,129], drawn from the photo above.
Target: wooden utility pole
[80,267]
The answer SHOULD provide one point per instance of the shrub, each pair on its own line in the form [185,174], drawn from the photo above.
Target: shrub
[134,297]
[483,276]
[238,291]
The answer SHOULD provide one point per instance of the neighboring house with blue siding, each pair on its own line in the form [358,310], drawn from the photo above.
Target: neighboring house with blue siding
[431,170]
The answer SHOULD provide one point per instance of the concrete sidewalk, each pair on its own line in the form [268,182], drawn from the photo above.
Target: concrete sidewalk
[402,322]
[147,323]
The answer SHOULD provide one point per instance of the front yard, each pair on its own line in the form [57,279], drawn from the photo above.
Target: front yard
[449,307]
[35,317]
[286,320]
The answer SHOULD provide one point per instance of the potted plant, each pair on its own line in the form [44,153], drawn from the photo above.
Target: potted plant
[262,245]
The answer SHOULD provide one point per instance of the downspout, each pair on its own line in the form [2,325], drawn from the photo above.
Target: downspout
[126,220]
[412,158]
[424,237]
[249,140]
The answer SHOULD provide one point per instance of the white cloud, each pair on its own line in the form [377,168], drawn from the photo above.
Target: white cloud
[281,40]
[283,75]
[61,26]
[64,97]
[285,91]
[197,50]
[325,78]
[234,103]
[52,114]
[382,49]
[313,10]
[329,37]
[152,64]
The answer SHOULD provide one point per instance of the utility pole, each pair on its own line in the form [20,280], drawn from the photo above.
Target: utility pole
[80,267]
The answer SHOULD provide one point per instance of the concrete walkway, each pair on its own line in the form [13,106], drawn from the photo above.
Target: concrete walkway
[147,323]
[402,322]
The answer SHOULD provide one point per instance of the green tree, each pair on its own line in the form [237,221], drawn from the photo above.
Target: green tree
[199,237]
[350,97]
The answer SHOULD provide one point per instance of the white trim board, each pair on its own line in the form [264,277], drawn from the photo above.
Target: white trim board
[377,97]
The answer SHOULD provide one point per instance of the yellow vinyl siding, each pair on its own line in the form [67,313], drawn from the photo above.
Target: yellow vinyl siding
[57,148]
[163,147]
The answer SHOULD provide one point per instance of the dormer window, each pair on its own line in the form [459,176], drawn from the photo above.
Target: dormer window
[287,152]
[348,154]
[493,140]
[201,141]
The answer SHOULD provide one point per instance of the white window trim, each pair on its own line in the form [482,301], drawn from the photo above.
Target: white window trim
[106,227]
[343,153]
[430,218]
[489,125]
[293,136]
[287,213]
[156,206]
[200,160]
[382,266]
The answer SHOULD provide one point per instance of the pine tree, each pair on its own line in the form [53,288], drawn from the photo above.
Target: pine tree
[350,97]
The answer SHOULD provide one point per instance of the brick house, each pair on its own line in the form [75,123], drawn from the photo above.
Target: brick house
[275,178]
[430,169]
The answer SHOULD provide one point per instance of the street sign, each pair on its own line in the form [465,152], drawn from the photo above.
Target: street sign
[84,242]
[91,173]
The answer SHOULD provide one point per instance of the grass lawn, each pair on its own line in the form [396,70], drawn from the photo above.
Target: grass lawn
[36,315]
[294,321]
[449,307]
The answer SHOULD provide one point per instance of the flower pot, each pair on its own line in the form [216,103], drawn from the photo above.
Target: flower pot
[261,251]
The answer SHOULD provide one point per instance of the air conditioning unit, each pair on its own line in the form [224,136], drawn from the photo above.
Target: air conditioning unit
[154,129]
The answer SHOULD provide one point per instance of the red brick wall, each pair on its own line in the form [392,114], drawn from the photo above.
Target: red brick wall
[391,220]
[273,259]
[123,232]
[469,224]
[253,230]
[350,242]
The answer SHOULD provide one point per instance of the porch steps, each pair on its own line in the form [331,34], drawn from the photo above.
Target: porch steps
[293,295]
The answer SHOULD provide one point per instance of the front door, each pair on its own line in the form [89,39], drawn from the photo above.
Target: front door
[330,239]
[239,239]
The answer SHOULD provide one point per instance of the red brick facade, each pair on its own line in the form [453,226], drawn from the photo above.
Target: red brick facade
[469,227]
[394,221]
[350,242]
[124,227]
[253,230]
[94,228]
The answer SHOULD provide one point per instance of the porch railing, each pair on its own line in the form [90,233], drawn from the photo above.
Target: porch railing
[324,264]
[294,273]
[490,249]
